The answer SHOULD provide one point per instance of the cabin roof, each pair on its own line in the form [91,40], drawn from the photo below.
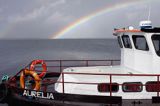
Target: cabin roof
[124,30]
[150,30]
[116,31]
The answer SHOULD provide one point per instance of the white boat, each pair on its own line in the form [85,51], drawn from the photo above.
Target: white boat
[135,81]
[137,77]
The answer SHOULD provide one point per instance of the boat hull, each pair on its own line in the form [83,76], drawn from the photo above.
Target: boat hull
[15,98]
[19,102]
[59,99]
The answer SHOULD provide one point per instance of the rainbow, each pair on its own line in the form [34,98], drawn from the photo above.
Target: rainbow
[99,12]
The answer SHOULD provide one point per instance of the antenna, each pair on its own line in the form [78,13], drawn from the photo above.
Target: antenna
[147,24]
[149,13]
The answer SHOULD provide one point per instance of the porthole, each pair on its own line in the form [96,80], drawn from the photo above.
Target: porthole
[105,87]
[132,87]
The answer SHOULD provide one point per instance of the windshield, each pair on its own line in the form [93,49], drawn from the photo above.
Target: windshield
[156,43]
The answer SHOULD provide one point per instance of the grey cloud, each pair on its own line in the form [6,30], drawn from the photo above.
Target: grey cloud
[102,26]
[38,12]
[43,18]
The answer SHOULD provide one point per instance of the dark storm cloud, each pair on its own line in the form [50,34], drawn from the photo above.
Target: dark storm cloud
[43,18]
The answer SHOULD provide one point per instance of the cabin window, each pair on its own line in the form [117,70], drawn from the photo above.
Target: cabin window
[156,43]
[120,42]
[105,87]
[126,41]
[140,42]
[153,86]
[132,87]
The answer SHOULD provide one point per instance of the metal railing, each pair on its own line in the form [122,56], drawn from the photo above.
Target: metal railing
[59,65]
[62,64]
[110,79]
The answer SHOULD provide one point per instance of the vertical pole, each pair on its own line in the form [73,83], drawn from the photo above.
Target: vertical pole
[110,85]
[63,82]
[87,63]
[60,66]
[24,80]
[158,85]
[45,88]
[111,62]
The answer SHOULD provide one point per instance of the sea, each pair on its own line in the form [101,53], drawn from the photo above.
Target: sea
[16,54]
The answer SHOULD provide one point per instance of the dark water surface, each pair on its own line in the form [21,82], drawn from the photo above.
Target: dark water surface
[16,54]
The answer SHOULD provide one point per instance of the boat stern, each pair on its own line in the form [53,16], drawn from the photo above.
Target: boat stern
[3,92]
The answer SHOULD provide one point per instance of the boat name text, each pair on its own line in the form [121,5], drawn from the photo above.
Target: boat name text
[38,94]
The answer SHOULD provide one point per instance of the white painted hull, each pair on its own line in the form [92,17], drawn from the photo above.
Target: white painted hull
[91,89]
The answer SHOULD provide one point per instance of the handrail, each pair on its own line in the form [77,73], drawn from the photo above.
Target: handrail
[113,74]
[61,64]
[110,79]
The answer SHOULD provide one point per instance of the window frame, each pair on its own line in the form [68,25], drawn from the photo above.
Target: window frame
[108,84]
[120,41]
[138,83]
[154,44]
[154,86]
[129,43]
[135,42]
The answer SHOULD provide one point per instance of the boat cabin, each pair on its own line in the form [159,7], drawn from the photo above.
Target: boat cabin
[140,49]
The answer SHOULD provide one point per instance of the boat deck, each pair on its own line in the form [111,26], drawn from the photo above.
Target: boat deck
[91,70]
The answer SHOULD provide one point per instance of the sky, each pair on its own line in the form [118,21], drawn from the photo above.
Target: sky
[72,19]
